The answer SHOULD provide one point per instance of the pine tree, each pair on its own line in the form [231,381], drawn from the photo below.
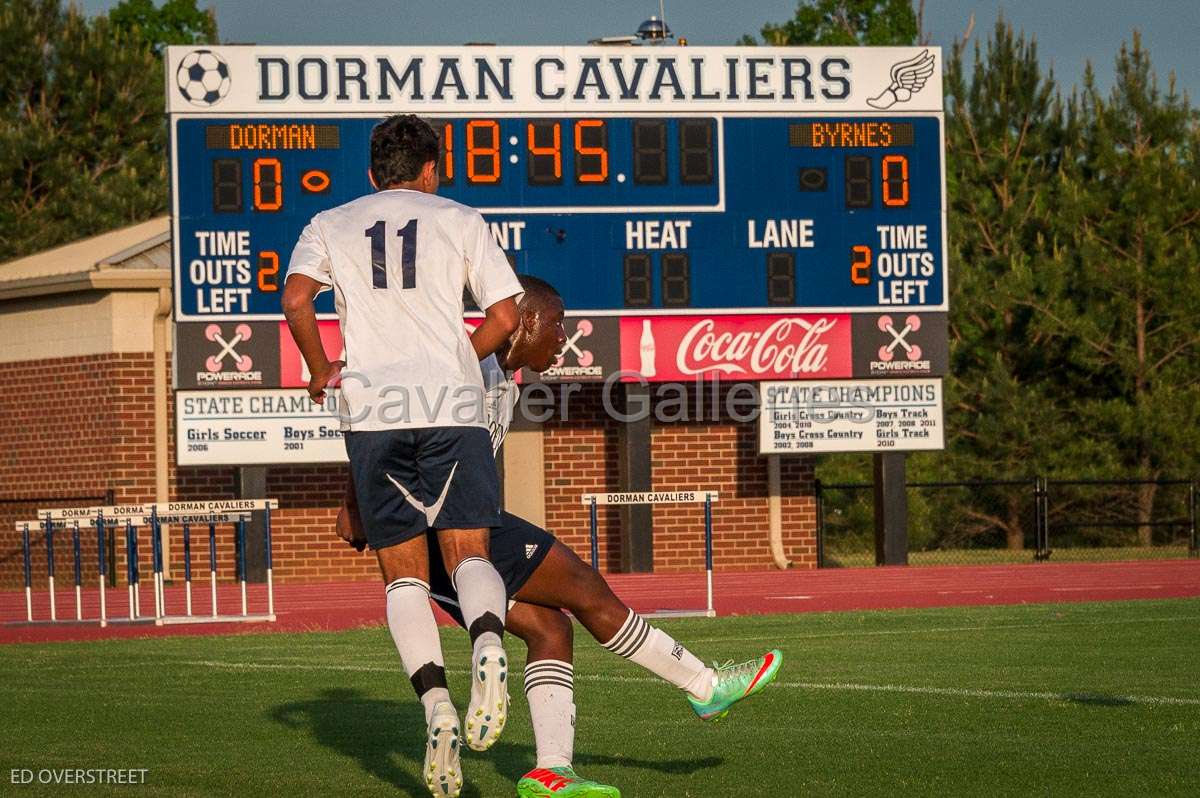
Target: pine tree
[1123,301]
[82,135]
[1005,134]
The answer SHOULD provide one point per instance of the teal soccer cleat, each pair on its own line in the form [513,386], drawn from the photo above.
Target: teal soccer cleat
[732,683]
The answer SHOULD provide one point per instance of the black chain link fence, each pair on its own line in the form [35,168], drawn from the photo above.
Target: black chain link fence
[1015,521]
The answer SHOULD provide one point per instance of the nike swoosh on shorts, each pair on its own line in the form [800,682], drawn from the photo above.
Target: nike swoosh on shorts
[432,511]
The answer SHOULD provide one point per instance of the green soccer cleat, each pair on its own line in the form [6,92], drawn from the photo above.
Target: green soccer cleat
[732,683]
[562,783]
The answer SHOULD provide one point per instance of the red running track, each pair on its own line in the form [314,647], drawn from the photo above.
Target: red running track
[344,605]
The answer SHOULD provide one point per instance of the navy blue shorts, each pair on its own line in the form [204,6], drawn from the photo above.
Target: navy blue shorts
[516,548]
[412,480]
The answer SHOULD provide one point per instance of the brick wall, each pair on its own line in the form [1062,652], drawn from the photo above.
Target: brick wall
[712,451]
[579,449]
[81,426]
[78,427]
[66,432]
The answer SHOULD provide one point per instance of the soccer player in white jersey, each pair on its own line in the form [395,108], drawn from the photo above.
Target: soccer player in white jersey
[411,402]
[542,577]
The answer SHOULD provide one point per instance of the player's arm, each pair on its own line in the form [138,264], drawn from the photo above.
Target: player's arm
[298,294]
[349,523]
[494,286]
[500,321]
[309,273]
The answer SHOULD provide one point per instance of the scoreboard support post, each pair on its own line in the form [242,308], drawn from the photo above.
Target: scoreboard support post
[636,474]
[252,484]
[891,509]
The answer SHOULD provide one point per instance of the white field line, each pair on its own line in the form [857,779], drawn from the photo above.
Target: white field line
[1051,625]
[692,641]
[1106,587]
[1018,695]
[952,692]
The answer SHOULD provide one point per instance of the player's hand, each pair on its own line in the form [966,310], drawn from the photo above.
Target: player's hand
[349,528]
[331,378]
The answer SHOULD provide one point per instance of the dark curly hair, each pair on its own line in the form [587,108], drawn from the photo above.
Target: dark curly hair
[536,285]
[401,145]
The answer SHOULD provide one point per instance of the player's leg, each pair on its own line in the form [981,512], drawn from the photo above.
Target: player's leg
[458,475]
[479,585]
[563,580]
[549,689]
[410,620]
[396,531]
[549,680]
[405,569]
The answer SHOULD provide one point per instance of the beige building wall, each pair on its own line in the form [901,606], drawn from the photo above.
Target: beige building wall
[524,481]
[72,325]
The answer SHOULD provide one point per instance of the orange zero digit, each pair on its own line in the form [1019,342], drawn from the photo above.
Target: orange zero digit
[895,181]
[268,184]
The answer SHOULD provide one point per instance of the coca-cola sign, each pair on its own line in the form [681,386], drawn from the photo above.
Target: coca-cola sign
[808,346]
[293,373]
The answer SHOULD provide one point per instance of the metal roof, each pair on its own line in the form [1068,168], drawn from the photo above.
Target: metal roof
[134,257]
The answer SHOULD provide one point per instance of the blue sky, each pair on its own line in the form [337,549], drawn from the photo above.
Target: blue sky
[1069,32]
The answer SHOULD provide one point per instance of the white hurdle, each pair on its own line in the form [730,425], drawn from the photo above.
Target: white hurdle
[707,497]
[130,518]
[211,513]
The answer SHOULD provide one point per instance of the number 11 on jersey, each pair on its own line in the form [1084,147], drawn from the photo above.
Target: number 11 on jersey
[408,253]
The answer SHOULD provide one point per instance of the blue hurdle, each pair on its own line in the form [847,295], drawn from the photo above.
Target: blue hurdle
[153,517]
[211,513]
[48,525]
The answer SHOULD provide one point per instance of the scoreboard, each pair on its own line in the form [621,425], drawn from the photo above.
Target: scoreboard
[757,213]
[695,212]
[628,182]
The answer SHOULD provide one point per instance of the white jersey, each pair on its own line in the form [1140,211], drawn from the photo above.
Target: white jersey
[397,262]
[501,395]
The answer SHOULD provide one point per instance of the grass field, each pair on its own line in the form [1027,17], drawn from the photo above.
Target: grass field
[1062,700]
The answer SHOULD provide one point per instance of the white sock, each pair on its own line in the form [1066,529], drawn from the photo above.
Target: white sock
[655,650]
[481,593]
[549,688]
[415,633]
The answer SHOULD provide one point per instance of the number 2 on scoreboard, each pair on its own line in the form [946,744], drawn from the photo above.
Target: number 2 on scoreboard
[408,253]
[860,265]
